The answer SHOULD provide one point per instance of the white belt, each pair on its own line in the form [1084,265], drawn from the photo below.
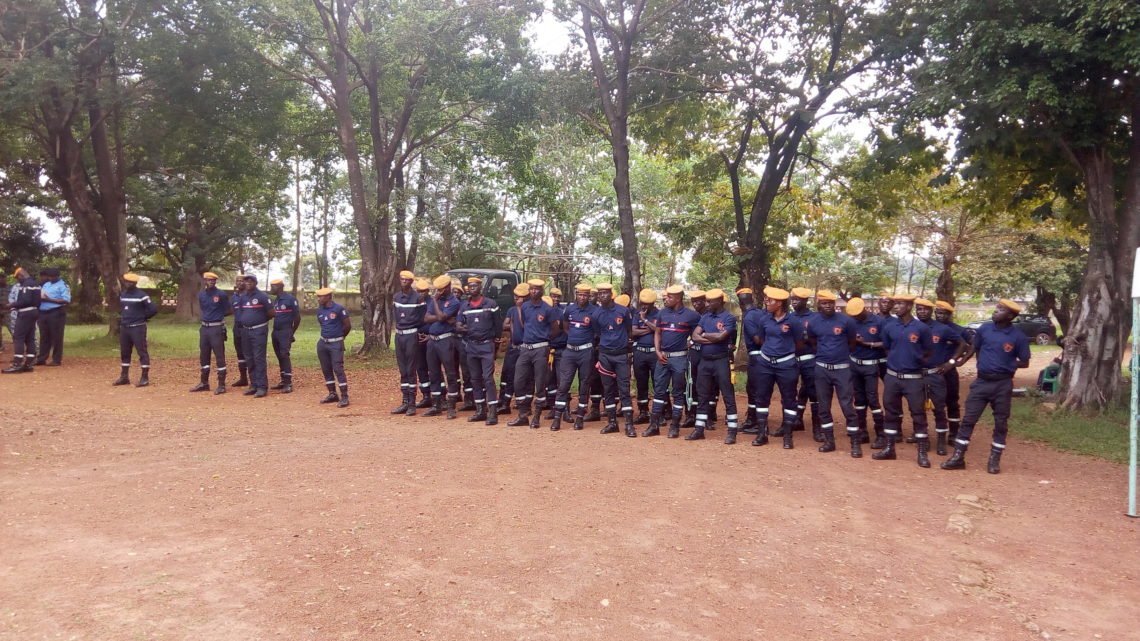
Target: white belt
[873,361]
[675,354]
[26,309]
[534,345]
[408,331]
[255,326]
[833,366]
[439,337]
[933,370]
[580,348]
[212,324]
[904,376]
[332,340]
[780,359]
[648,350]
[805,357]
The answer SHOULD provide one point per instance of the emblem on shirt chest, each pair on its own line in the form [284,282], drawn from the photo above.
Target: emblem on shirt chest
[1007,347]
[619,320]
[785,328]
[873,330]
[720,326]
[936,338]
[837,330]
[216,299]
[332,315]
[913,338]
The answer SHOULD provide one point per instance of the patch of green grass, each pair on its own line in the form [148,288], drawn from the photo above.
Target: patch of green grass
[1104,434]
[168,338]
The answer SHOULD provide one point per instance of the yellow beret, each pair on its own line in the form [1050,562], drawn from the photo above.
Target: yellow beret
[885,295]
[923,302]
[697,293]
[456,284]
[474,279]
[407,274]
[324,291]
[906,298]
[554,291]
[941,304]
[855,306]
[131,278]
[521,289]
[622,299]
[276,281]
[441,281]
[605,286]
[1010,305]
[422,284]
[801,292]
[647,296]
[714,293]
[743,290]
[674,289]
[210,275]
[582,287]
[536,282]
[548,300]
[825,294]
[775,293]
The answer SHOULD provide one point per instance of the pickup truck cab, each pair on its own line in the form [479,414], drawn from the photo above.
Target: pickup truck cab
[497,283]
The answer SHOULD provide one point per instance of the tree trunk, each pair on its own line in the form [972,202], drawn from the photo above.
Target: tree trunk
[944,290]
[87,301]
[630,258]
[297,248]
[189,283]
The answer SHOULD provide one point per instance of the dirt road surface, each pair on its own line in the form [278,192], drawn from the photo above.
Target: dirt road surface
[157,514]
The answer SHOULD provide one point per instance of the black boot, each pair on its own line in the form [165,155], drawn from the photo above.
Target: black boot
[557,424]
[863,438]
[710,424]
[690,419]
[595,412]
[828,441]
[288,389]
[801,412]
[674,427]
[250,392]
[957,460]
[923,450]
[436,406]
[204,384]
[654,428]
[550,415]
[123,378]
[579,417]
[630,430]
[492,415]
[221,388]
[750,425]
[403,407]
[522,419]
[994,464]
[18,366]
[343,396]
[281,385]
[856,446]
[536,420]
[817,424]
[468,402]
[261,392]
[643,416]
[789,431]
[411,411]
[451,407]
[880,439]
[424,402]
[940,444]
[698,434]
[242,381]
[331,397]
[888,451]
[480,412]
[762,434]
[504,406]
[730,437]
[611,422]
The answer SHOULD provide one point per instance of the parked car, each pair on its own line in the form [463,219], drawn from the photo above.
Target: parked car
[1038,328]
[497,283]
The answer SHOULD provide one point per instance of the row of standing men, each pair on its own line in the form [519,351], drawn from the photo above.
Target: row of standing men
[447,343]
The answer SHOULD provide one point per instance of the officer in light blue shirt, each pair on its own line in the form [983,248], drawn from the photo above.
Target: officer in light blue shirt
[55,295]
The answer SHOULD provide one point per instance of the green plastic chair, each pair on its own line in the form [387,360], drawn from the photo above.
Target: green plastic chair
[1049,378]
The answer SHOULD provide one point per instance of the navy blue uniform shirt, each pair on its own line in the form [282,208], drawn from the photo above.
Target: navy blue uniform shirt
[213,303]
[560,315]
[870,330]
[676,328]
[650,320]
[752,321]
[537,321]
[136,306]
[778,335]
[946,340]
[831,337]
[712,323]
[331,319]
[999,349]
[905,344]
[482,319]
[614,324]
[516,325]
[253,309]
[448,308]
[285,310]
[802,318]
[408,309]
[580,325]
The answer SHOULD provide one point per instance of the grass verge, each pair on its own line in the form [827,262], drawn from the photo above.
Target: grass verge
[1104,435]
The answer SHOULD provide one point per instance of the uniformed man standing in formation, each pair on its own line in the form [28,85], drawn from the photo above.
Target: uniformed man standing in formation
[135,309]
[24,300]
[806,358]
[213,307]
[465,388]
[671,334]
[513,326]
[833,336]
[908,344]
[773,339]
[949,345]
[716,334]
[866,358]
[55,296]
[335,326]
[944,313]
[644,352]
[1002,349]
[480,323]
[697,300]
[423,290]
[538,324]
[236,300]
[253,313]
[614,324]
[286,320]
[577,359]
[557,349]
[440,316]
[407,316]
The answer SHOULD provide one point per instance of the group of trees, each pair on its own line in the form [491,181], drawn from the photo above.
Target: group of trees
[711,137]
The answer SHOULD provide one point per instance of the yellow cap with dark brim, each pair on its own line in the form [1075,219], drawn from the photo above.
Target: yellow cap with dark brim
[775,293]
[714,294]
[697,293]
[923,302]
[743,290]
[210,275]
[1010,305]
[801,292]
[554,291]
[422,285]
[536,282]
[131,278]
[941,304]
[825,294]
[608,287]
[324,291]
[439,282]
[622,299]
[582,287]
[276,281]
[647,296]
[855,306]
[407,274]
[521,289]
[906,298]
[674,289]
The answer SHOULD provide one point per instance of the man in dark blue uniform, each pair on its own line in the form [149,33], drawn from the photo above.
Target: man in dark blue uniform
[236,300]
[644,353]
[865,361]
[700,304]
[213,307]
[908,344]
[833,336]
[886,306]
[26,309]
[423,290]
[557,349]
[578,359]
[335,326]
[773,339]
[944,313]
[595,382]
[440,316]
[949,344]
[466,389]
[745,297]
[672,331]
[539,324]
[253,314]
[55,296]
[407,315]
[716,334]
[802,313]
[135,309]
[480,323]
[1002,349]
[286,320]
[614,325]
[513,326]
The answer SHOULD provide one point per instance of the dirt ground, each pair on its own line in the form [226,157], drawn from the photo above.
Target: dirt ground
[156,514]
